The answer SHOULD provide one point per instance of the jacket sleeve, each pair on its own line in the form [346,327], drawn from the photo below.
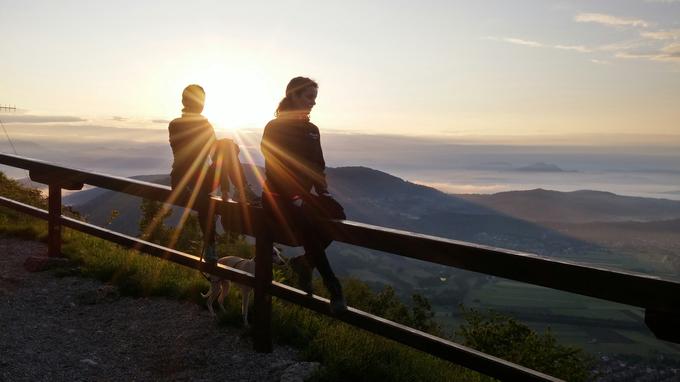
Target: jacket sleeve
[319,173]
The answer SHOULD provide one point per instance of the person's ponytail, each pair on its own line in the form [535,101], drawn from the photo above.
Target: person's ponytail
[285,105]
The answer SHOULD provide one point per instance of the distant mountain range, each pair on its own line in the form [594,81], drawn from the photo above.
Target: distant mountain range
[576,207]
[542,167]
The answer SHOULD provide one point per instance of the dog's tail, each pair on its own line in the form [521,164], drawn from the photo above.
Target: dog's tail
[208,293]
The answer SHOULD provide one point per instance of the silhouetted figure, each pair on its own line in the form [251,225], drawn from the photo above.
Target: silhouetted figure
[294,165]
[202,163]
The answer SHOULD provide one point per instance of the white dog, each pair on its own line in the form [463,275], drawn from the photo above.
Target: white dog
[219,288]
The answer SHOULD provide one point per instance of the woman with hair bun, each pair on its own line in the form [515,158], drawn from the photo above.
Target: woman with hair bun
[294,166]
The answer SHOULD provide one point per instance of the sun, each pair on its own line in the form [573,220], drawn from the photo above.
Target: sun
[236,99]
[241,91]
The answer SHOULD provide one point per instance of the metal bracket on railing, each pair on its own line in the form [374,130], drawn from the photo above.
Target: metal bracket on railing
[664,323]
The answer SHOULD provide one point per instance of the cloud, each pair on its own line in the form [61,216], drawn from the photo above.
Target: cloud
[652,44]
[623,45]
[671,34]
[609,20]
[119,119]
[536,44]
[669,53]
[163,121]
[40,119]
[457,188]
[672,50]
[577,48]
[518,41]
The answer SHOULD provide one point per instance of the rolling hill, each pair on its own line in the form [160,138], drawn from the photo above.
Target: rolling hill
[576,207]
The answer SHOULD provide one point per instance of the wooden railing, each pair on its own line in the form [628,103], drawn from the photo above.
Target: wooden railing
[659,297]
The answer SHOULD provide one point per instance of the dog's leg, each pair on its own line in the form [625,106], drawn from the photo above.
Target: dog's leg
[224,291]
[211,295]
[245,292]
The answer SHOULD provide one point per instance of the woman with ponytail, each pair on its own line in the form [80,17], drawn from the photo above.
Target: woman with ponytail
[294,166]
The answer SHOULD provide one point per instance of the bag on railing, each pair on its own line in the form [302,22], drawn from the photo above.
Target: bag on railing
[324,207]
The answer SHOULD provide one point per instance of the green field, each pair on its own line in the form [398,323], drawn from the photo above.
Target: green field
[597,326]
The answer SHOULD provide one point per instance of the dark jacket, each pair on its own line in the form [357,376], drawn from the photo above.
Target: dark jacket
[191,137]
[294,161]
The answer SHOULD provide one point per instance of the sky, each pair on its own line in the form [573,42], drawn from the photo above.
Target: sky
[589,71]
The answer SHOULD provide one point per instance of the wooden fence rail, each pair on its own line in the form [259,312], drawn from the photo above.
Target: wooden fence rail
[660,297]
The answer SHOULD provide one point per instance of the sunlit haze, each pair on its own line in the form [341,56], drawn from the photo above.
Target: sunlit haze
[462,69]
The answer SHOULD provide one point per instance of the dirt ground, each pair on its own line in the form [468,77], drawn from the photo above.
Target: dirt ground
[74,329]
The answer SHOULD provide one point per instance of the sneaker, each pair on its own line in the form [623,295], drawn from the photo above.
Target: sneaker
[338,302]
[252,197]
[249,197]
[304,273]
[209,254]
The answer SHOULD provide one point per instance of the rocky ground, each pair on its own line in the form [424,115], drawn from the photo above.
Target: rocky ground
[74,329]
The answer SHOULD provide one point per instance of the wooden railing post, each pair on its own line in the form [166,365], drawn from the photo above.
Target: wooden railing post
[263,280]
[53,221]
[56,181]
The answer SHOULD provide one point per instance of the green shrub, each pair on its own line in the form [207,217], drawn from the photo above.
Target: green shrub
[505,337]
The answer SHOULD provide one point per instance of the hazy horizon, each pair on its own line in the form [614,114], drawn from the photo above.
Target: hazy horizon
[451,164]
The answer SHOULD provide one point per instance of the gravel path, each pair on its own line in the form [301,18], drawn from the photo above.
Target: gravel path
[75,329]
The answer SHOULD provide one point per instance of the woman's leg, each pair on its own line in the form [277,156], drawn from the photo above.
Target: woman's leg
[315,253]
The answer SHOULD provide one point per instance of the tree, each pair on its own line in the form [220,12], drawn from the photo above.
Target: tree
[190,238]
[387,304]
[504,337]
[423,315]
[151,223]
[12,189]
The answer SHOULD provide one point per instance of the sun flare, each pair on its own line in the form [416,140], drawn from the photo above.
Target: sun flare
[236,98]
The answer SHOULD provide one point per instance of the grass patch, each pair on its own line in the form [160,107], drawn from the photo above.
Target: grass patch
[134,273]
[347,353]
[351,354]
[22,227]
